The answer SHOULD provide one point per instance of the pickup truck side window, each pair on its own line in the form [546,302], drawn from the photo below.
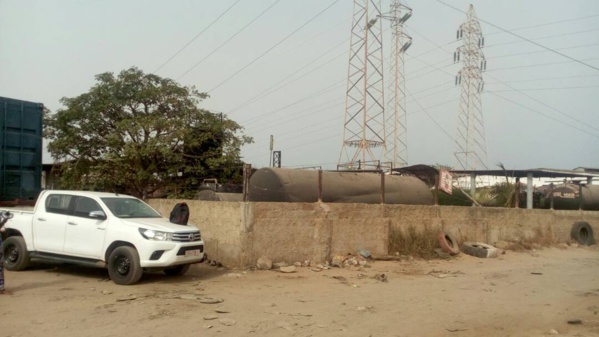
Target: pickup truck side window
[58,203]
[84,206]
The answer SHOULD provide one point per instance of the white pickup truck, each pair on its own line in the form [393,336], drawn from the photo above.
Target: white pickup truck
[114,231]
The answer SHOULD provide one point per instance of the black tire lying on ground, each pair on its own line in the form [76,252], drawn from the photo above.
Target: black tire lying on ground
[479,249]
[448,243]
[582,233]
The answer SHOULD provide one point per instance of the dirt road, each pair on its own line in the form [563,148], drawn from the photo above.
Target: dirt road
[532,293]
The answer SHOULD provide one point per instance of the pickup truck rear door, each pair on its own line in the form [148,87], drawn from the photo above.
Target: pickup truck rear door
[50,223]
[85,235]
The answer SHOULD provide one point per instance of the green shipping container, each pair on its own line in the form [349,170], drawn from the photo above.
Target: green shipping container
[20,149]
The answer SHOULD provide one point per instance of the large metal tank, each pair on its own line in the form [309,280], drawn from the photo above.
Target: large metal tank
[289,185]
[20,149]
[210,195]
[590,197]
[570,196]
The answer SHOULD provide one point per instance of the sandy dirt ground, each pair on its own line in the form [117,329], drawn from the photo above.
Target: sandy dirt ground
[531,293]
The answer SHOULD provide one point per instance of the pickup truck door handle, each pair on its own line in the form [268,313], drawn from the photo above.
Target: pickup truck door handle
[72,223]
[41,219]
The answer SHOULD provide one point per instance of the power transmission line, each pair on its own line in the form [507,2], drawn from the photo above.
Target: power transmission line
[542,38]
[525,39]
[554,88]
[270,90]
[542,51]
[546,79]
[523,93]
[547,24]
[541,64]
[229,39]
[273,47]
[545,115]
[195,37]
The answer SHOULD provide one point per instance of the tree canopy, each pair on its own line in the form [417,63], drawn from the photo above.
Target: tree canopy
[138,133]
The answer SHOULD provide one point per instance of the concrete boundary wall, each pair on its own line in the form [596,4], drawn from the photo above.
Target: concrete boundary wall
[237,233]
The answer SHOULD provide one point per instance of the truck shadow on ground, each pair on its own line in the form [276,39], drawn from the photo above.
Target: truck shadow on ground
[197,272]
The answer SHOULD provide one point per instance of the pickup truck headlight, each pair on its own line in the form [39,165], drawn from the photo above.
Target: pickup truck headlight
[151,234]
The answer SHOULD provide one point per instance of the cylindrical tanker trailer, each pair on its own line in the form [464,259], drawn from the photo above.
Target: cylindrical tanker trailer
[295,185]
[570,196]
[210,195]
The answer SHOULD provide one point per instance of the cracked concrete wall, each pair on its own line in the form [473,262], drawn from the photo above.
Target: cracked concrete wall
[237,234]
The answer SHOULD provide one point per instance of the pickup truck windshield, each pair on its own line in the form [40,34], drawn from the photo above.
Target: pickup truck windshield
[129,208]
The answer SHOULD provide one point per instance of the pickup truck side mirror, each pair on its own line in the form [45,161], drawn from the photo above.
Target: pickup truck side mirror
[100,215]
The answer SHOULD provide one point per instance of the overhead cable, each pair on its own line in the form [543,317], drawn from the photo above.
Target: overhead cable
[195,37]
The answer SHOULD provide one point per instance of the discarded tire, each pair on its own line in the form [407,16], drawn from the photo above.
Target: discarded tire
[479,249]
[448,243]
[582,233]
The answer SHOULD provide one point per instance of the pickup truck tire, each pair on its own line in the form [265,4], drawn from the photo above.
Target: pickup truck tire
[16,256]
[123,266]
[177,270]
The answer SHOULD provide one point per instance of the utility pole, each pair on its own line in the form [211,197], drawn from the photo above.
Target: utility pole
[364,127]
[396,123]
[471,153]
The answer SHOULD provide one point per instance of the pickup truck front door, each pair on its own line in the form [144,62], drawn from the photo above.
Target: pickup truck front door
[85,235]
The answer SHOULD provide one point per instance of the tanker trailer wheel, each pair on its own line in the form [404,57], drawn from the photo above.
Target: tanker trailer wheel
[448,243]
[582,233]
[479,249]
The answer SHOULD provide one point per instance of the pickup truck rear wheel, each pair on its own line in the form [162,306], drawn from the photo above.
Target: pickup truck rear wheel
[177,270]
[123,266]
[16,256]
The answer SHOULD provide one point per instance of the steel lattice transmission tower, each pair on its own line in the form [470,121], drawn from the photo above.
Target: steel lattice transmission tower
[364,127]
[396,123]
[471,153]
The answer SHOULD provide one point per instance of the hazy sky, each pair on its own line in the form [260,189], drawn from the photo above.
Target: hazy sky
[293,86]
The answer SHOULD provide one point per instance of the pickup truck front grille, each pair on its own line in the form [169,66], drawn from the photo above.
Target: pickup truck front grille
[187,236]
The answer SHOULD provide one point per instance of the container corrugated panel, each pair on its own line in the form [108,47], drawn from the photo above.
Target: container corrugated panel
[20,149]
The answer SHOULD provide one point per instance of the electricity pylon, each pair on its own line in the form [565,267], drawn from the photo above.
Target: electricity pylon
[471,153]
[396,123]
[364,127]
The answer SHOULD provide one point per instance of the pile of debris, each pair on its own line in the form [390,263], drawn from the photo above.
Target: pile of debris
[340,261]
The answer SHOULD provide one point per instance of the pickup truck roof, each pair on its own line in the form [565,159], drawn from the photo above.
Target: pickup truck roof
[86,193]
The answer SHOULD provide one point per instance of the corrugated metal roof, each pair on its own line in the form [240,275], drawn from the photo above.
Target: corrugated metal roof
[536,173]
[430,172]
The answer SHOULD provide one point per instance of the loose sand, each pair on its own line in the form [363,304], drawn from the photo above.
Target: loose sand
[526,293]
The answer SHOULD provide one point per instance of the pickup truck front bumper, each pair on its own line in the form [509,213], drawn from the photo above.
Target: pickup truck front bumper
[167,254]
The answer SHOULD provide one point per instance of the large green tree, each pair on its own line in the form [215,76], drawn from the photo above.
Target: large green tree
[139,133]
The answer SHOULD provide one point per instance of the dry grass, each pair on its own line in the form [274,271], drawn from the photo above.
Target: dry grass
[542,237]
[412,242]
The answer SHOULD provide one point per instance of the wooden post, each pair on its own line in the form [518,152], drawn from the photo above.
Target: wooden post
[551,197]
[382,187]
[437,190]
[517,196]
[580,196]
[247,171]
[319,185]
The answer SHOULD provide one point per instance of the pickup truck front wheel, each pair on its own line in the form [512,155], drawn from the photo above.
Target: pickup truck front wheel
[16,256]
[123,266]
